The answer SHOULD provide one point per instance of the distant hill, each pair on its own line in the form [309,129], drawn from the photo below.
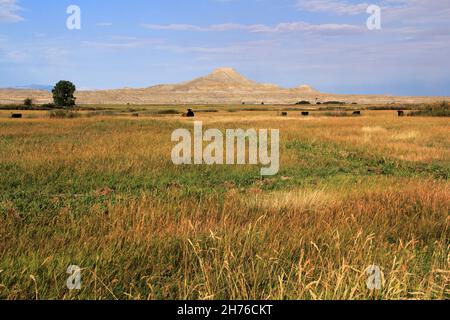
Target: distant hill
[222,86]
[34,87]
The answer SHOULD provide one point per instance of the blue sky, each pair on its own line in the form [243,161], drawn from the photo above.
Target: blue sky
[138,43]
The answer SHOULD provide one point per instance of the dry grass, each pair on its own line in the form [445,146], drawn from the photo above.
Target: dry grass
[303,200]
[102,193]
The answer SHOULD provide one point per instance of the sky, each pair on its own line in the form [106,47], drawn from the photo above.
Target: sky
[140,43]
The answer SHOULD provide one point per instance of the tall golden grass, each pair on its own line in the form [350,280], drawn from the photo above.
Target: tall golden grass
[310,237]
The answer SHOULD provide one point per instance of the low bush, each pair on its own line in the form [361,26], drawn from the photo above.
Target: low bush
[208,111]
[336,114]
[441,109]
[28,102]
[48,106]
[63,114]
[167,112]
[303,102]
[334,102]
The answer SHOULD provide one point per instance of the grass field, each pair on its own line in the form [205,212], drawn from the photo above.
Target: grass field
[101,192]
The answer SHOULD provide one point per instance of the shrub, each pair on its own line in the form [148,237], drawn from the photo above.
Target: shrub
[334,102]
[433,110]
[48,106]
[208,111]
[167,112]
[336,114]
[390,108]
[63,114]
[28,102]
[303,102]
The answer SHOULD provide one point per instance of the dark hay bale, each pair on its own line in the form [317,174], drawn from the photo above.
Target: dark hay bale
[356,113]
[401,113]
[305,113]
[284,114]
[16,116]
[136,115]
[190,113]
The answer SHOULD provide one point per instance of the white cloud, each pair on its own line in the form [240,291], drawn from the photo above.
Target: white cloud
[339,7]
[174,27]
[119,42]
[286,27]
[9,11]
[415,12]
[15,56]
[104,24]
[293,27]
[421,11]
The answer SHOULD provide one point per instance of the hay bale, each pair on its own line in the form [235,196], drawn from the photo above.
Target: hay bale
[190,113]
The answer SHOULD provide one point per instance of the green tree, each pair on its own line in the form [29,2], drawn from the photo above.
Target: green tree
[28,102]
[63,94]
